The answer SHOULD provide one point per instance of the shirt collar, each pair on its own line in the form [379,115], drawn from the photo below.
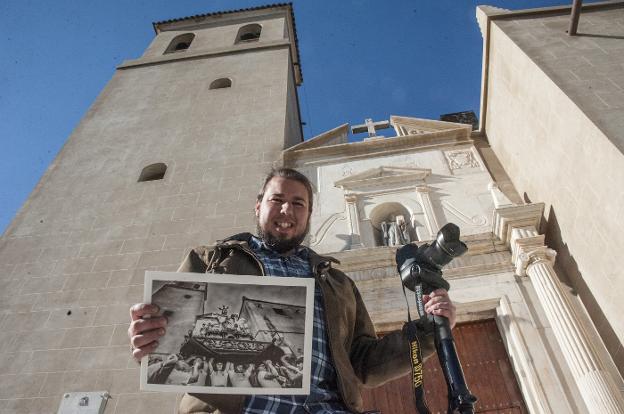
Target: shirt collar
[258,244]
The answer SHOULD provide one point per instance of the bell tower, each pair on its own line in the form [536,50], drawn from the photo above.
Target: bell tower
[170,155]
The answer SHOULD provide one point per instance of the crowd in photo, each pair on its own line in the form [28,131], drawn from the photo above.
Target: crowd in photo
[175,369]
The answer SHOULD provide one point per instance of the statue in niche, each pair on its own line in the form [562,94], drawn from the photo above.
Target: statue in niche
[395,233]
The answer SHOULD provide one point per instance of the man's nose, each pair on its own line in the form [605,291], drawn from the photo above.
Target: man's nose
[287,208]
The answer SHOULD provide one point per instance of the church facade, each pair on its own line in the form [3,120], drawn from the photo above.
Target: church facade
[150,172]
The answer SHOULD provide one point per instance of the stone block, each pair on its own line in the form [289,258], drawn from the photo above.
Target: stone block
[59,252]
[10,287]
[115,357]
[97,336]
[52,360]
[120,334]
[101,249]
[188,213]
[171,227]
[43,284]
[70,318]
[176,241]
[110,296]
[138,277]
[86,281]
[40,268]
[178,200]
[120,278]
[78,265]
[220,221]
[21,385]
[119,381]
[47,405]
[56,300]
[165,257]
[111,315]
[14,363]
[117,262]
[27,321]
[58,383]
[128,232]
[143,245]
[36,340]
[72,337]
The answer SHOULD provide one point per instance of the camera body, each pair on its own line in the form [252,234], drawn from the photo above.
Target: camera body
[423,265]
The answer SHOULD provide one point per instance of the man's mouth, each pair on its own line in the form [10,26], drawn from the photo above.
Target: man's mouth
[283,225]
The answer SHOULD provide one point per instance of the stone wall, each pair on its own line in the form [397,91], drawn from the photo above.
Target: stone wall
[557,151]
[73,260]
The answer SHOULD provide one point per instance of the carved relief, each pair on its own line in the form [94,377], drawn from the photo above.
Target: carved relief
[319,235]
[461,159]
[476,220]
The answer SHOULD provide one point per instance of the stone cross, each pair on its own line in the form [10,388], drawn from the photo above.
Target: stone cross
[370,126]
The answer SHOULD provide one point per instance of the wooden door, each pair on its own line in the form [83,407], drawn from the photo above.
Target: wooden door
[488,372]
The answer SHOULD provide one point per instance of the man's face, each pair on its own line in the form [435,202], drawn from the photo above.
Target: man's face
[219,366]
[283,214]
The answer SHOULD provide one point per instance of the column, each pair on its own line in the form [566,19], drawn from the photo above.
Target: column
[594,382]
[354,220]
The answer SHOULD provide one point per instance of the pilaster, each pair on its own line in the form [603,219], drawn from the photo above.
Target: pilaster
[531,257]
[354,220]
[425,201]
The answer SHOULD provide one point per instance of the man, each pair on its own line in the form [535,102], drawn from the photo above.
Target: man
[218,374]
[239,376]
[346,351]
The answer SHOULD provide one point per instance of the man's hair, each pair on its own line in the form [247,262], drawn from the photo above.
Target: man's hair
[290,174]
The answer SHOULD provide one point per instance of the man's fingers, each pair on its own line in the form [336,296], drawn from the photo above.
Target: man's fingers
[139,341]
[138,353]
[140,326]
[140,310]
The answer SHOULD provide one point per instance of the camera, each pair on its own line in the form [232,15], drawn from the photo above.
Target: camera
[420,268]
[423,265]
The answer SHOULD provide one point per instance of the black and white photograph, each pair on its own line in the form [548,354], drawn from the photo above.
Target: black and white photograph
[230,334]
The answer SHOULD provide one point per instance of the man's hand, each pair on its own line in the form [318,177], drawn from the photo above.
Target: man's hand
[145,329]
[438,303]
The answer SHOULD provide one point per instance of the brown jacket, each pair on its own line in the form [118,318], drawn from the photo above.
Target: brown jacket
[360,358]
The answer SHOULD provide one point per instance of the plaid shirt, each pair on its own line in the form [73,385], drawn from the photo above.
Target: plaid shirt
[324,397]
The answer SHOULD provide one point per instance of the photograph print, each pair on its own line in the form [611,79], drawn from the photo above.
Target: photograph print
[230,334]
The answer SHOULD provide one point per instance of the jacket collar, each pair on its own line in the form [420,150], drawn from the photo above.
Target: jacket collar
[242,240]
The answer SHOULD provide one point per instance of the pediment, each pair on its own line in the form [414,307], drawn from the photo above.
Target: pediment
[384,176]
[417,126]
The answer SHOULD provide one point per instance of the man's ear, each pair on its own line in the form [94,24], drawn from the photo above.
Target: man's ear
[257,209]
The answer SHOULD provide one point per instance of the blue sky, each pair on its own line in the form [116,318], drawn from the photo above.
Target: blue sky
[360,59]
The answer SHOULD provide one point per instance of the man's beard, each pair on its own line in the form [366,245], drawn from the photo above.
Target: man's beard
[281,245]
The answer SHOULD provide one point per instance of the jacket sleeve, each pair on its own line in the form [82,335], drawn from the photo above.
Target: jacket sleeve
[378,360]
[196,261]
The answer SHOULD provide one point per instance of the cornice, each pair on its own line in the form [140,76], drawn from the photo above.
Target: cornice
[176,57]
[378,147]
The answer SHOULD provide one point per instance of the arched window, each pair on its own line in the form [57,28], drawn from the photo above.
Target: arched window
[153,172]
[180,43]
[249,33]
[221,83]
